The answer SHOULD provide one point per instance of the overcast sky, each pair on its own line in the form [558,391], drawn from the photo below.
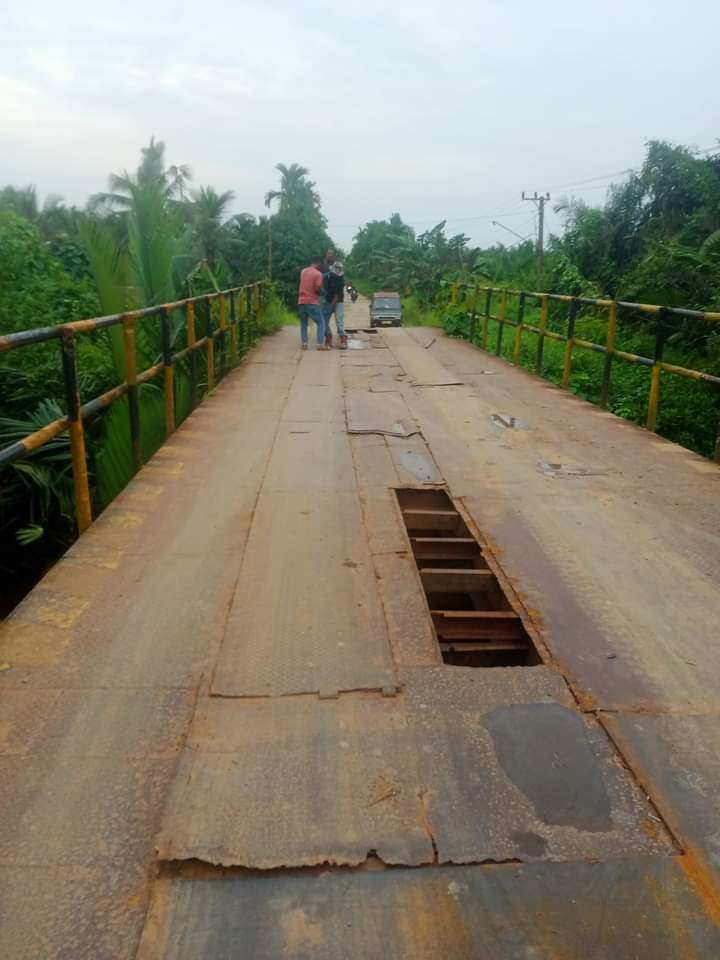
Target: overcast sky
[433,109]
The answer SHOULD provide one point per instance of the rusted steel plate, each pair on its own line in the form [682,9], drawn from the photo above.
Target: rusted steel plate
[638,909]
[511,771]
[56,912]
[315,402]
[98,723]
[383,524]
[306,616]
[310,456]
[373,464]
[384,413]
[490,765]
[421,365]
[297,782]
[677,759]
[608,609]
[79,810]
[412,636]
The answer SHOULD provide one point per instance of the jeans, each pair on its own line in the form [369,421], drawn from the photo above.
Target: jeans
[339,310]
[311,311]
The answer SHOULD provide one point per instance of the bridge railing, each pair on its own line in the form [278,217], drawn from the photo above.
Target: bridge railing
[510,307]
[239,310]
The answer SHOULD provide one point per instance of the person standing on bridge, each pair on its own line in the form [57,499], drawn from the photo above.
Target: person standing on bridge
[328,261]
[311,281]
[335,303]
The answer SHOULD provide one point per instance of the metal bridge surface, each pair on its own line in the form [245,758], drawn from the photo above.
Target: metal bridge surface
[227,729]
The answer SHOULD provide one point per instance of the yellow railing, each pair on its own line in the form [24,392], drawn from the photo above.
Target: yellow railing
[246,306]
[511,307]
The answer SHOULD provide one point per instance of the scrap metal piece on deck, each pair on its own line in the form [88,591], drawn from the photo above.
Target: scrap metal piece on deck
[440,771]
[384,413]
[297,782]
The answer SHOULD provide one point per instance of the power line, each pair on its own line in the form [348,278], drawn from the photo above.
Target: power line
[511,213]
[622,173]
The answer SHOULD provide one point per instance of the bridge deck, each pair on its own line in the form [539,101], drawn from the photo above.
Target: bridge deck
[226,729]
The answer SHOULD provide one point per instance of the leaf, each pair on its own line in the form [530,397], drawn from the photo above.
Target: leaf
[29,534]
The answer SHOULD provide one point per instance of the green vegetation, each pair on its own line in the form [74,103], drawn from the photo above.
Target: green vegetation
[655,240]
[149,239]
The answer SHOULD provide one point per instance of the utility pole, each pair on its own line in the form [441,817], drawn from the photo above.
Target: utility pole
[539,202]
[270,248]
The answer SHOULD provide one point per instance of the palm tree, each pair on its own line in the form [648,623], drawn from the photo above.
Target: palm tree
[207,212]
[52,218]
[296,191]
[152,170]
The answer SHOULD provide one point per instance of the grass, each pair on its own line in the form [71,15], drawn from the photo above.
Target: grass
[415,315]
[277,315]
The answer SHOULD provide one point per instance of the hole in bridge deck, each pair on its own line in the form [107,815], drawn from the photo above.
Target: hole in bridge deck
[475,623]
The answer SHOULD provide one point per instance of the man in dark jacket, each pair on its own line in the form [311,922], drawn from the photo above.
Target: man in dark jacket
[335,303]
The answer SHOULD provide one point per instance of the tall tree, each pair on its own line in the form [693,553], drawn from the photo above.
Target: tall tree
[297,194]
[208,215]
[170,180]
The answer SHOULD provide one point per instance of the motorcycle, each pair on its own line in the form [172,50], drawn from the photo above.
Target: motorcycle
[353,294]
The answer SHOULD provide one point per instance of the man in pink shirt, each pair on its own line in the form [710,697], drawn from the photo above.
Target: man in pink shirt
[311,281]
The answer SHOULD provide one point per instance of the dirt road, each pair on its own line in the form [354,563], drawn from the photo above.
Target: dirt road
[227,728]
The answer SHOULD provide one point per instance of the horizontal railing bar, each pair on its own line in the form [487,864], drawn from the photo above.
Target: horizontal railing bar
[33,441]
[12,341]
[92,407]
[634,358]
[149,373]
[181,354]
[691,374]
[651,308]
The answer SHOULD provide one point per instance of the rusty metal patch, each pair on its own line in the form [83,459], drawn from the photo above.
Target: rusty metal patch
[631,909]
